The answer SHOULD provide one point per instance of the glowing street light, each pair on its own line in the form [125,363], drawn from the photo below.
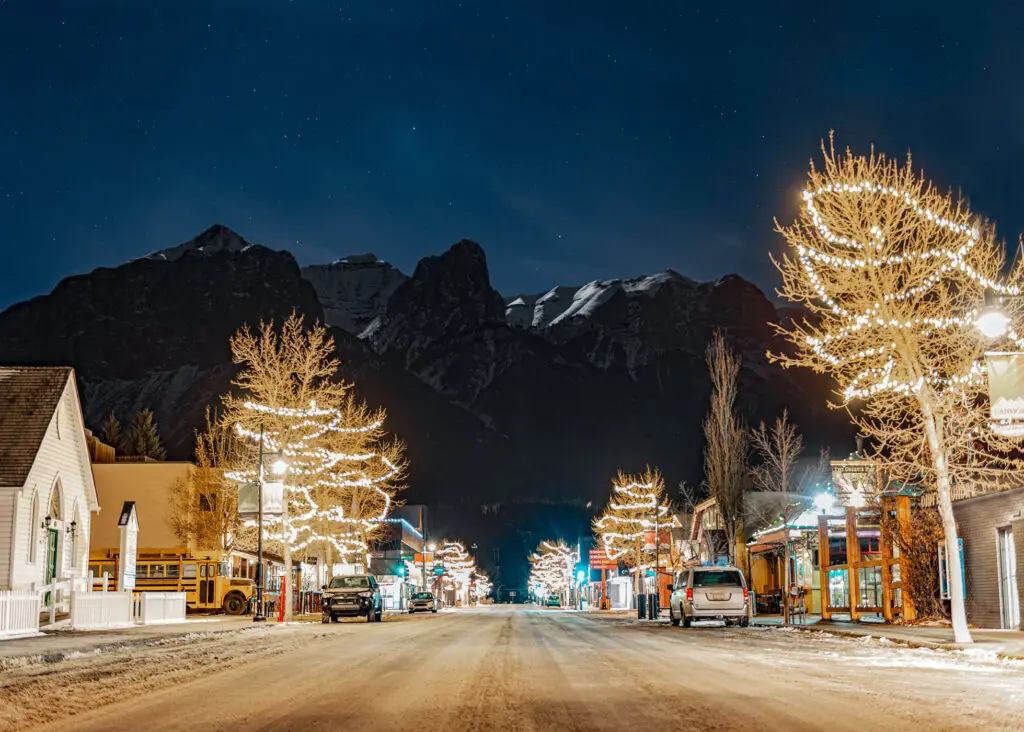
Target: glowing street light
[280,466]
[824,502]
[992,321]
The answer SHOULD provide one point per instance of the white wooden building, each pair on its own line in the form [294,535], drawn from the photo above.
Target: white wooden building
[47,494]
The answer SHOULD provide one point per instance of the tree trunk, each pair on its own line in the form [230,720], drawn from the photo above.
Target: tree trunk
[286,596]
[933,429]
[786,579]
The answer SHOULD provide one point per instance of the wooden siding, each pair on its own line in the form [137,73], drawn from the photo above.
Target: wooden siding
[62,456]
[979,521]
[7,497]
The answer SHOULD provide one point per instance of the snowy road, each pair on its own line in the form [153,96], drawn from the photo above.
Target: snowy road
[515,669]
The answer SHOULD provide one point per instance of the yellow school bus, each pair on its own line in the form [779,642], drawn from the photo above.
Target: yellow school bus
[202,577]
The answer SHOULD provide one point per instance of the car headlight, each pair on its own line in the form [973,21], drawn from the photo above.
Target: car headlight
[366,594]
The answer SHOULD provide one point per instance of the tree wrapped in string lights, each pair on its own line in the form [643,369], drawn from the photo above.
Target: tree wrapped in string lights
[552,567]
[342,476]
[893,274]
[636,509]
[458,566]
[481,586]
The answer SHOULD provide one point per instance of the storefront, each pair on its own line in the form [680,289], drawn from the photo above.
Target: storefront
[796,542]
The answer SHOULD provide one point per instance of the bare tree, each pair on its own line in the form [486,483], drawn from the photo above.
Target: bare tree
[204,509]
[778,452]
[725,450]
[892,273]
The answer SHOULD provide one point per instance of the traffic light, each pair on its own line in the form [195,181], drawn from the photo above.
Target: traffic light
[401,570]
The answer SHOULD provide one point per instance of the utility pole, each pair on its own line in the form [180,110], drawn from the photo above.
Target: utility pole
[657,562]
[258,616]
[423,549]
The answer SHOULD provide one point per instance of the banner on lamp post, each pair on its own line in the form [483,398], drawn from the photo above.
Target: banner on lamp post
[249,501]
[1006,392]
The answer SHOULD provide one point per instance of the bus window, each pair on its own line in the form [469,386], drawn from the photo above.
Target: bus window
[109,570]
[188,570]
[156,571]
[202,570]
[171,571]
[141,571]
[95,569]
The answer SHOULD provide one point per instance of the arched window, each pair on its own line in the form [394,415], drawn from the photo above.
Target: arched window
[55,502]
[33,528]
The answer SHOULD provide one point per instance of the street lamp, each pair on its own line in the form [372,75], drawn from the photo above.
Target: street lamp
[824,502]
[992,321]
[279,467]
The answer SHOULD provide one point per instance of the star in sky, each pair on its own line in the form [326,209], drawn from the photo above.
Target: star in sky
[623,140]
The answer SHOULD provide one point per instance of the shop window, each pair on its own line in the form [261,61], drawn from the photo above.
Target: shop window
[837,550]
[869,587]
[838,588]
[869,545]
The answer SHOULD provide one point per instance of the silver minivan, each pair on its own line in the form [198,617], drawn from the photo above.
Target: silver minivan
[710,593]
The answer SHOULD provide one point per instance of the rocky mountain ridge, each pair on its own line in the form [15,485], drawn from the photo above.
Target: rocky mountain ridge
[492,407]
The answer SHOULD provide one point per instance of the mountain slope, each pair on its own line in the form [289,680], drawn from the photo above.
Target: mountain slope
[354,291]
[493,408]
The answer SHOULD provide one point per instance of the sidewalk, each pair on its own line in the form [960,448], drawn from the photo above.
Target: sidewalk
[1005,643]
[58,644]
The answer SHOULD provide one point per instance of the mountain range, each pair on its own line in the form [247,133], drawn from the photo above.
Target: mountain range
[532,397]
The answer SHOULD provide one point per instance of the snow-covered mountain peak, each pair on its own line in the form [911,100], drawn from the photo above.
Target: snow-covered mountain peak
[561,304]
[354,290]
[218,238]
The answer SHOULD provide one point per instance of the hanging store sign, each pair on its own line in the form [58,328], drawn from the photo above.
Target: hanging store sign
[1006,393]
[249,501]
[855,482]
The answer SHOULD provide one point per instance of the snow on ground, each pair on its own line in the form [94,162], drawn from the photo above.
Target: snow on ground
[517,669]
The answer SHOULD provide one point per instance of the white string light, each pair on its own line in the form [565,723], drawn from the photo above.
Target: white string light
[870,253]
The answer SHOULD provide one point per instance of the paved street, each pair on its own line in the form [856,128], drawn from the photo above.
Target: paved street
[514,669]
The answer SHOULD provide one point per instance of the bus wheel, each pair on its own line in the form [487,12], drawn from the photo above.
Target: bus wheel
[234,603]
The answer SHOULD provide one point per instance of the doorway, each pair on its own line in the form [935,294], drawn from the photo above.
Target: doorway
[1008,590]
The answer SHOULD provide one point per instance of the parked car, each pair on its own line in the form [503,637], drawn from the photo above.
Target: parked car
[553,601]
[422,602]
[352,595]
[710,593]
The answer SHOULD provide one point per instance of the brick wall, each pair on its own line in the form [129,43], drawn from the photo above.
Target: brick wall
[979,520]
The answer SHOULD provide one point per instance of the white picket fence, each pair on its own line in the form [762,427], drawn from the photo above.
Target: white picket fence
[19,613]
[96,610]
[158,607]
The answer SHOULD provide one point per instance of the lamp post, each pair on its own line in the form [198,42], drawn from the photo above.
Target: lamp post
[280,467]
[992,321]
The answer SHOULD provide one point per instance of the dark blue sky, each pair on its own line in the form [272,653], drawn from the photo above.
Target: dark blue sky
[573,140]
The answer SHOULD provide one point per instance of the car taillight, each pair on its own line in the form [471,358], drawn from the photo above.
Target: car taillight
[746,594]
[689,594]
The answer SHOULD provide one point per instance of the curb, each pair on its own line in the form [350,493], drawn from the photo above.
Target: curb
[904,642]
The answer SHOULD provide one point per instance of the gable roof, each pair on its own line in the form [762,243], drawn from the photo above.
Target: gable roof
[29,395]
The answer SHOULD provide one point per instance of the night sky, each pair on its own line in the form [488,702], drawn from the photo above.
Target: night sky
[573,140]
